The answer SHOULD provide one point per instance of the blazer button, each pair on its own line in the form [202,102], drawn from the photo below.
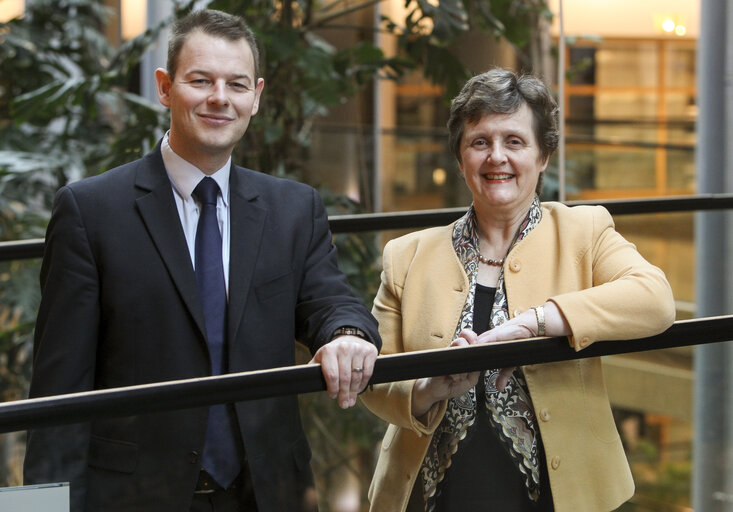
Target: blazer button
[515,266]
[193,457]
[555,462]
[545,415]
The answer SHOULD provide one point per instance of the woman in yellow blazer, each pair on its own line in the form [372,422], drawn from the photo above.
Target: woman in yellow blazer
[535,438]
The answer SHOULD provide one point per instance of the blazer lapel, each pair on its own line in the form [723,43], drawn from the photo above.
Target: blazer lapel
[159,212]
[247,221]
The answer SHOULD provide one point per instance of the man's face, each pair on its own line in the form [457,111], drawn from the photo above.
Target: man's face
[212,98]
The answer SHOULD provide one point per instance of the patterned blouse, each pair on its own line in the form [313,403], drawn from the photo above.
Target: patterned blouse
[511,413]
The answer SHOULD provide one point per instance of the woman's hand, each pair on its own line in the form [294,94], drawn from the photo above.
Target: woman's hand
[429,390]
[525,326]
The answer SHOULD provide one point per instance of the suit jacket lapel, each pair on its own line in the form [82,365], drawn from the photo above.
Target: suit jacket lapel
[159,212]
[247,221]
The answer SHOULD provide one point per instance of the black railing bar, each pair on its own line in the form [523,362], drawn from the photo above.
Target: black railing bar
[27,249]
[426,218]
[158,397]
[21,249]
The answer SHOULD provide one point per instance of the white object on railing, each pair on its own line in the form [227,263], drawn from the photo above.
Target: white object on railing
[34,498]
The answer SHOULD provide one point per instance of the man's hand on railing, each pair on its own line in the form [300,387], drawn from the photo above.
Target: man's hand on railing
[347,363]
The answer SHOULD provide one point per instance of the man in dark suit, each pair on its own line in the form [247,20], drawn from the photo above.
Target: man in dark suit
[182,265]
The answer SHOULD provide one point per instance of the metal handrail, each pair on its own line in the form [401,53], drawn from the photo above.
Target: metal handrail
[29,249]
[181,394]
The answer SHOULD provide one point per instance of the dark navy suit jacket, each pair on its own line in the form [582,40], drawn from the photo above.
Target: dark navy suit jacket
[121,307]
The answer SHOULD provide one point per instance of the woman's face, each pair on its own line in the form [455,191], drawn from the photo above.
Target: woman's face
[500,161]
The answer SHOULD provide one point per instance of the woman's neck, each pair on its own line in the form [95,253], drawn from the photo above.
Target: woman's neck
[497,231]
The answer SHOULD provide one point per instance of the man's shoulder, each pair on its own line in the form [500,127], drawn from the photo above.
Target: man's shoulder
[269,182]
[271,190]
[111,179]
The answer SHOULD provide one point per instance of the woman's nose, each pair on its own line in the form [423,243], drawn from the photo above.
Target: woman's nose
[496,154]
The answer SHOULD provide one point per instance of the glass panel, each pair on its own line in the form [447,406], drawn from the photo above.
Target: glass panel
[613,168]
[628,131]
[341,159]
[666,240]
[651,392]
[582,65]
[680,69]
[681,170]
[621,64]
[626,105]
[419,172]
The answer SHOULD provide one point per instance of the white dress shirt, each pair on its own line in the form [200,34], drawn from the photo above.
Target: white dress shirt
[184,177]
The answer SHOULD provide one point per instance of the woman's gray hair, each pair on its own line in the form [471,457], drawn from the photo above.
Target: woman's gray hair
[500,91]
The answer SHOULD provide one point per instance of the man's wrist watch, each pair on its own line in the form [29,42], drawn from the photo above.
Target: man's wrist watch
[349,331]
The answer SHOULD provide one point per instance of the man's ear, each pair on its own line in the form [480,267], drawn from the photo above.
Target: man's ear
[163,86]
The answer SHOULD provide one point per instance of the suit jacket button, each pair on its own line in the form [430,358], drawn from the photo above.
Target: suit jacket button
[193,457]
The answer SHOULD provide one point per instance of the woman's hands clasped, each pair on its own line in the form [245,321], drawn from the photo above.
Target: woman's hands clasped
[429,390]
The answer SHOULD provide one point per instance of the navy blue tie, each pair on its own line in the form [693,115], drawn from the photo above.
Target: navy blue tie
[220,458]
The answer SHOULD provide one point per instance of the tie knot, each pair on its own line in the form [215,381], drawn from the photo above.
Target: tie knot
[206,191]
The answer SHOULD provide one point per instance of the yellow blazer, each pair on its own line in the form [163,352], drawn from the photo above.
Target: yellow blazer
[605,289]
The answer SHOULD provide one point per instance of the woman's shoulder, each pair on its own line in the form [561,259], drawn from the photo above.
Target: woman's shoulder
[429,236]
[579,214]
[427,244]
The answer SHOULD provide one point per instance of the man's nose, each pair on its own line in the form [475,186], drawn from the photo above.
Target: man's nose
[218,94]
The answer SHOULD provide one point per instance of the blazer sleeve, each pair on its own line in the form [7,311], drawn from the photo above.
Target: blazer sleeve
[392,401]
[65,346]
[630,297]
[325,300]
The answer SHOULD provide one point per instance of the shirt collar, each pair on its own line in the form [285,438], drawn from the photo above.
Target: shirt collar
[185,176]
